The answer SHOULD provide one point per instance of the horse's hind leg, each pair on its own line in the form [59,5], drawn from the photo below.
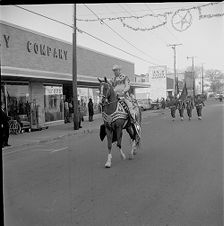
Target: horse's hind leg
[131,133]
[119,139]
[109,145]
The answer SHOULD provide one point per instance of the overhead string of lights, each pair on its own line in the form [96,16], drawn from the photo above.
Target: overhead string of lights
[186,11]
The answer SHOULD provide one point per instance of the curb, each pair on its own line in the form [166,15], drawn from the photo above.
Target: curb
[85,131]
[42,141]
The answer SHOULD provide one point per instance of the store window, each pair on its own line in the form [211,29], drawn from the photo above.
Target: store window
[83,96]
[53,103]
[16,99]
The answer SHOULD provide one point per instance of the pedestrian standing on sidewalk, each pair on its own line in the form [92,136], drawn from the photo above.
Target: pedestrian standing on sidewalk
[79,114]
[66,111]
[199,104]
[90,109]
[4,127]
[163,103]
[181,106]
[71,110]
[173,106]
[189,106]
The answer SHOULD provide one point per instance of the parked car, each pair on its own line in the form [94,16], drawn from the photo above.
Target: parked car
[156,105]
[144,104]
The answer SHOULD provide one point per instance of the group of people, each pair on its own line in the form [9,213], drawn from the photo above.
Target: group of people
[189,103]
[4,127]
[69,111]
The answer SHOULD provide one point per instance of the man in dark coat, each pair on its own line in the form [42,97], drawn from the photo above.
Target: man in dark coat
[4,128]
[189,106]
[181,106]
[79,114]
[173,106]
[199,104]
[90,109]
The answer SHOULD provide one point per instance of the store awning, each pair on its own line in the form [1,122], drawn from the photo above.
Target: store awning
[29,74]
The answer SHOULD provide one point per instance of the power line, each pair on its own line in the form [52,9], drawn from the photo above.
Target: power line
[82,31]
[138,21]
[58,21]
[117,33]
[142,10]
[160,21]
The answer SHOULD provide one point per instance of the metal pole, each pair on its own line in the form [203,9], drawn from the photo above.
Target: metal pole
[175,71]
[202,80]
[74,75]
[193,76]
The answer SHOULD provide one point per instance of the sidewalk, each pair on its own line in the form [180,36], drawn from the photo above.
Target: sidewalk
[61,131]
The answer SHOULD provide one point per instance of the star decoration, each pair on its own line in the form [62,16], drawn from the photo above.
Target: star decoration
[181,20]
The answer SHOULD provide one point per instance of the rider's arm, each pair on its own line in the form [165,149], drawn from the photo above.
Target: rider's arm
[127,84]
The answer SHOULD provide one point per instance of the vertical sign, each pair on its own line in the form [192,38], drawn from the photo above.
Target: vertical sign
[157,80]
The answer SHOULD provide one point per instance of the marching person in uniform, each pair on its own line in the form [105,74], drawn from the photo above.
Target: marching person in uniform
[199,104]
[181,106]
[121,84]
[189,106]
[173,106]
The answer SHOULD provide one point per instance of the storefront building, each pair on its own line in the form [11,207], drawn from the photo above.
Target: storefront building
[36,74]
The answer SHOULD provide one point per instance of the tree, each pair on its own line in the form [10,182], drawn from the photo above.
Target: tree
[216,77]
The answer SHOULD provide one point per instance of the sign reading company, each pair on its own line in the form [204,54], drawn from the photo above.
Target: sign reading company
[53,90]
[157,80]
[45,50]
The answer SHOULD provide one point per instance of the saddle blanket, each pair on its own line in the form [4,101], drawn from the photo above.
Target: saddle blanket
[120,113]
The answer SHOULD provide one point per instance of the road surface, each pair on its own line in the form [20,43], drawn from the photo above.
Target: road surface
[176,179]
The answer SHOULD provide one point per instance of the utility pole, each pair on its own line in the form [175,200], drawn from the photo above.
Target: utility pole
[202,79]
[193,73]
[74,74]
[174,67]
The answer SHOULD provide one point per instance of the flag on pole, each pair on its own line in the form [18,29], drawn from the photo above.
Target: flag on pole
[184,92]
[177,86]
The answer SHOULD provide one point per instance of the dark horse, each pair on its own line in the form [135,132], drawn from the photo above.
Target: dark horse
[113,129]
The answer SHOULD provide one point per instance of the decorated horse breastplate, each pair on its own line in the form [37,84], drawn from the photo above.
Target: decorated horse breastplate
[120,113]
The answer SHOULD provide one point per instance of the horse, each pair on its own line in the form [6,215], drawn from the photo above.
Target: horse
[116,118]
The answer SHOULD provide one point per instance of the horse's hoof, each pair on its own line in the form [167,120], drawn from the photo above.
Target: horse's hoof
[123,157]
[131,157]
[108,165]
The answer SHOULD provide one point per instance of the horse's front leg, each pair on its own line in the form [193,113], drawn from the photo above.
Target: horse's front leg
[131,133]
[119,139]
[109,146]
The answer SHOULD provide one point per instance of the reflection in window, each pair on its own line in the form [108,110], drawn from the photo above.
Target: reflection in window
[53,103]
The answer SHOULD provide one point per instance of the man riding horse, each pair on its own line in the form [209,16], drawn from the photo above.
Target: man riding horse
[121,84]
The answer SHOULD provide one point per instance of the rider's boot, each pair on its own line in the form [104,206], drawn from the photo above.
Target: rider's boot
[136,124]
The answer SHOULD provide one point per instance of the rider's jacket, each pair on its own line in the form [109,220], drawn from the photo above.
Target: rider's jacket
[121,84]
[189,104]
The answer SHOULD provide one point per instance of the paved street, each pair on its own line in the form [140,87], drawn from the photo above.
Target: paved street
[176,179]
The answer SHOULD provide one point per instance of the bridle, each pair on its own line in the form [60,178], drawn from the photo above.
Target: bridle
[105,97]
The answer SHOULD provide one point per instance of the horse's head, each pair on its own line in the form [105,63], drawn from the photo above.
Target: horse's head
[105,91]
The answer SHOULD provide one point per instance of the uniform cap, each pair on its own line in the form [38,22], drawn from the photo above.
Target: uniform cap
[116,67]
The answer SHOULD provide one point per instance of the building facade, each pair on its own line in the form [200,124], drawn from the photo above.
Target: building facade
[36,74]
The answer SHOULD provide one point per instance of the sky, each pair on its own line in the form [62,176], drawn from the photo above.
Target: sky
[203,38]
